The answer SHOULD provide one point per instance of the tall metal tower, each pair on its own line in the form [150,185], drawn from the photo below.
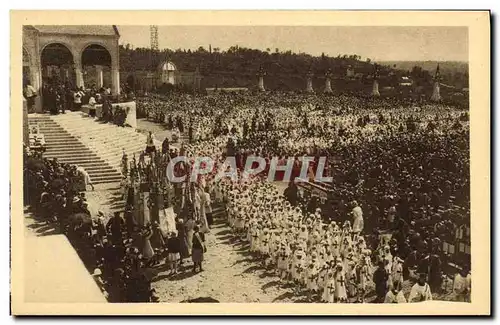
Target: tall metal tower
[154,37]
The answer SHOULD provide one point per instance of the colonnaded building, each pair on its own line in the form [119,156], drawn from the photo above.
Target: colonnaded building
[86,56]
[78,55]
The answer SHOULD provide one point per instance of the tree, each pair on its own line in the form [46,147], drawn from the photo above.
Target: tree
[201,49]
[368,60]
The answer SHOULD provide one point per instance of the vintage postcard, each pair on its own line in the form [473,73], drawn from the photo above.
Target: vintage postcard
[250,163]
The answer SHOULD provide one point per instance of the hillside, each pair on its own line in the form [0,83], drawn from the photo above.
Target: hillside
[238,66]
[453,72]
[286,70]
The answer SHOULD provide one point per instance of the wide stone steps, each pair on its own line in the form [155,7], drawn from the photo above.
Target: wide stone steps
[108,141]
[68,149]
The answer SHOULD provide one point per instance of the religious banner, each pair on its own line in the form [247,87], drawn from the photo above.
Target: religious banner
[140,210]
[136,203]
[154,199]
[167,220]
[146,199]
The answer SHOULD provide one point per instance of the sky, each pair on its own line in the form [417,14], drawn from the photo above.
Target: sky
[391,43]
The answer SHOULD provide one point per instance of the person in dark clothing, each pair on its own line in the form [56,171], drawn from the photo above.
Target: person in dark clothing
[198,249]
[292,193]
[114,227]
[165,146]
[174,250]
[380,278]
[190,133]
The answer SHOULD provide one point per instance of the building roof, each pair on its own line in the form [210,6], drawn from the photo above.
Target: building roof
[102,30]
[167,66]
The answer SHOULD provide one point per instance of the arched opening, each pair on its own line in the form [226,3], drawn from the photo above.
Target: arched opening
[26,68]
[167,73]
[96,66]
[57,66]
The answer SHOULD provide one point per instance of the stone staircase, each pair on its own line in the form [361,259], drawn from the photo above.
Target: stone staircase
[67,148]
[107,140]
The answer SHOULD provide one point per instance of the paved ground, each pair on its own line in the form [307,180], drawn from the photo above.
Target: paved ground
[230,275]
[159,130]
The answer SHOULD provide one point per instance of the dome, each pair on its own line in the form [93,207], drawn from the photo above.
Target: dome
[168,66]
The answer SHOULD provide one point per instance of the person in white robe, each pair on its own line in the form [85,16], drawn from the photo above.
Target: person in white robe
[396,274]
[282,262]
[352,281]
[298,268]
[329,289]
[340,284]
[420,291]
[86,177]
[462,286]
[363,277]
[254,244]
[357,218]
[395,296]
[311,276]
[264,244]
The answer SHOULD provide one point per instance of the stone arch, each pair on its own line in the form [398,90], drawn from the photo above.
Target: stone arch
[58,66]
[61,45]
[96,61]
[167,73]
[96,44]
[57,41]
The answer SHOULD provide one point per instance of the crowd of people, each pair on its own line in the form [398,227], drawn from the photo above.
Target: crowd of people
[399,189]
[55,193]
[406,165]
[59,97]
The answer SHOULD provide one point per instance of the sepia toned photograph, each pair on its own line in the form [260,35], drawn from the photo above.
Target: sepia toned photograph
[327,162]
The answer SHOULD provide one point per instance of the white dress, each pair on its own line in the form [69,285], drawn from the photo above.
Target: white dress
[264,243]
[329,290]
[312,278]
[340,286]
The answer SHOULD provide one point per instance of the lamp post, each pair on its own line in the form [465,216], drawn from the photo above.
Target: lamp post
[328,86]
[309,87]
[436,94]
[261,73]
[375,92]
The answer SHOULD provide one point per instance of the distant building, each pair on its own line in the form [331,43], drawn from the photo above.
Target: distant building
[405,81]
[165,73]
[350,72]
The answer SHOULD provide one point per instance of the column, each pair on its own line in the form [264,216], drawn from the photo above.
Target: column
[309,85]
[375,92]
[328,85]
[115,80]
[436,95]
[35,73]
[79,74]
[99,76]
[261,83]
